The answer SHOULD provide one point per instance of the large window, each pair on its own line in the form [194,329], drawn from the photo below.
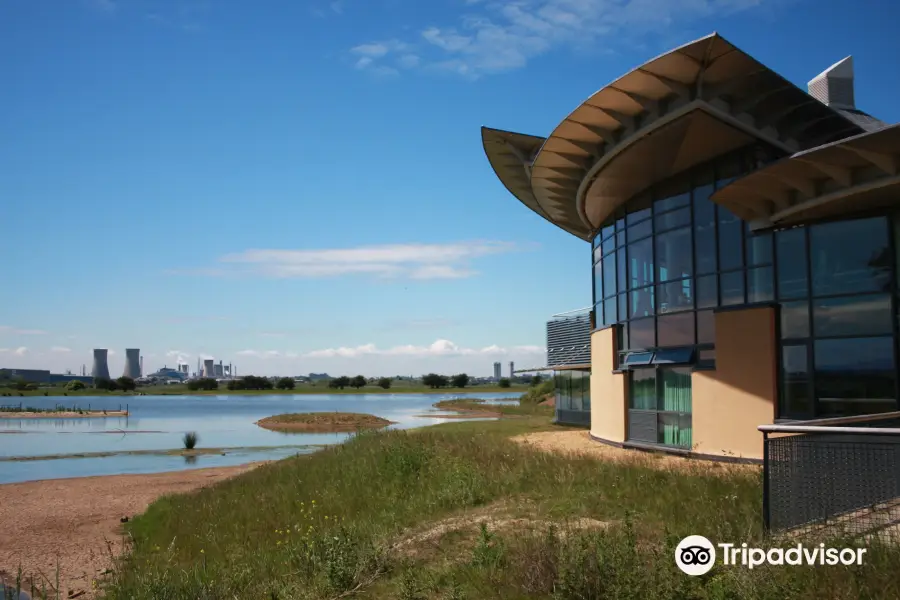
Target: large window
[573,397]
[660,405]
[837,321]
[670,257]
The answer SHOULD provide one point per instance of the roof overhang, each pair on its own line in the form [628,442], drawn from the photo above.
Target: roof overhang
[853,175]
[695,102]
[511,155]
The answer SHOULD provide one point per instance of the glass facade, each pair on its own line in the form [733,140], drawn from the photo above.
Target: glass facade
[671,256]
[573,397]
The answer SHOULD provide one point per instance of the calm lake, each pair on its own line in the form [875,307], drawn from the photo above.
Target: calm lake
[158,423]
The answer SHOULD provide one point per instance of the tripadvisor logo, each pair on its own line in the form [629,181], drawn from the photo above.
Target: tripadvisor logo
[696,555]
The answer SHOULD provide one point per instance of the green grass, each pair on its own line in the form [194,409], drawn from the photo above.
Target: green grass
[319,388]
[325,526]
[476,405]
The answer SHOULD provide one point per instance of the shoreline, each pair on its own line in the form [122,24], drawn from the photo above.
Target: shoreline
[171,452]
[76,522]
[63,414]
[302,391]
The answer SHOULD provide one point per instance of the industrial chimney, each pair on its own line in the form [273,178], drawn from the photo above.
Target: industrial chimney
[100,369]
[132,363]
[834,86]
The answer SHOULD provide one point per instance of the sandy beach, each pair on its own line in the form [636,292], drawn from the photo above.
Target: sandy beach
[76,521]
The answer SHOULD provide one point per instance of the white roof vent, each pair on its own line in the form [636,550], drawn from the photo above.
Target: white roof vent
[834,86]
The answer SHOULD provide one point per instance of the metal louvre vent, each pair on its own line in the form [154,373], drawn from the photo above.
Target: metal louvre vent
[569,341]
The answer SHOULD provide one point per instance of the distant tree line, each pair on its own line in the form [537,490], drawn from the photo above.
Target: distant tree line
[206,383]
[125,384]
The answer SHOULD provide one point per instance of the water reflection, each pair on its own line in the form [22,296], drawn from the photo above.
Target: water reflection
[159,422]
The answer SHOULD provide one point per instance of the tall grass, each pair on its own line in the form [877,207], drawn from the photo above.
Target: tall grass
[327,525]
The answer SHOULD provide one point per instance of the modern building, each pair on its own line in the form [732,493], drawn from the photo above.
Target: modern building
[132,363]
[512,370]
[209,368]
[743,235]
[100,369]
[497,368]
[219,370]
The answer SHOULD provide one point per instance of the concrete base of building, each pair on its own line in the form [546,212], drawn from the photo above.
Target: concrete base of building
[677,451]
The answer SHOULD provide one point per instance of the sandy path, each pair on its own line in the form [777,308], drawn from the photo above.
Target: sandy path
[579,442]
[71,520]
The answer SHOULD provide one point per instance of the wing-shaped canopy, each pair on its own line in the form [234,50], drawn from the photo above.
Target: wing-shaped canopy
[853,175]
[675,111]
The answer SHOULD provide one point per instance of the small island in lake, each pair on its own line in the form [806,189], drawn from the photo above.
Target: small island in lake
[322,422]
[57,412]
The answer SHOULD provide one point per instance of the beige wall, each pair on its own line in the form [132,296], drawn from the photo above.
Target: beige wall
[741,393]
[608,389]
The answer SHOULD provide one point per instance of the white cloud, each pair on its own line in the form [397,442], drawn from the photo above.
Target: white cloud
[4,329]
[60,349]
[499,36]
[409,261]
[20,351]
[181,358]
[438,348]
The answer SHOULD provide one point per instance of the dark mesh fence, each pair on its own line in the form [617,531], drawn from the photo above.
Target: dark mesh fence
[846,480]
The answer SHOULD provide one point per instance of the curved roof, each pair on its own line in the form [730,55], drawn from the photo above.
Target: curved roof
[511,155]
[852,175]
[677,110]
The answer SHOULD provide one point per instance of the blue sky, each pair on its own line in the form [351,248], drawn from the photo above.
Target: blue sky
[298,186]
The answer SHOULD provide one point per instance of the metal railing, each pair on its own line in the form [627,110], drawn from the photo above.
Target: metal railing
[842,474]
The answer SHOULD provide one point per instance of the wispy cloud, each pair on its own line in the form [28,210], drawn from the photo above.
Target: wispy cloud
[6,329]
[407,261]
[438,348]
[179,356]
[102,5]
[20,351]
[333,8]
[494,36]
[60,349]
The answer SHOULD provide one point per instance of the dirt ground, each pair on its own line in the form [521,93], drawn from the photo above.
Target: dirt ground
[579,442]
[72,521]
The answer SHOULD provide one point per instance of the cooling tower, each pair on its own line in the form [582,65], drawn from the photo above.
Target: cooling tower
[100,369]
[132,363]
[208,368]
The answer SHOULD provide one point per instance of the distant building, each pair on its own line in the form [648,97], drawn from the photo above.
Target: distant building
[497,372]
[219,370]
[100,369]
[168,373]
[512,369]
[29,375]
[132,363]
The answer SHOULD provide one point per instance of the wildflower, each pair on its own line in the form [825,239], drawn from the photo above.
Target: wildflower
[201,550]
